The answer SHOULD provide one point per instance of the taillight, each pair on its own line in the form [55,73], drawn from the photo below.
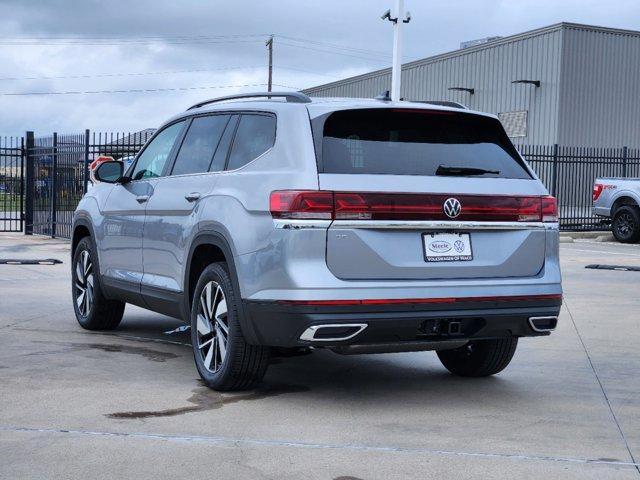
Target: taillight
[597,190]
[386,206]
[549,209]
[407,206]
[301,204]
[326,205]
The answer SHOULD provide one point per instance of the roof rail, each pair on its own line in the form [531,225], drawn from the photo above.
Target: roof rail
[442,103]
[293,97]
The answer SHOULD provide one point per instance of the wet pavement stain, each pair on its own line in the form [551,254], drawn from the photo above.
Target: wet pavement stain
[204,399]
[153,355]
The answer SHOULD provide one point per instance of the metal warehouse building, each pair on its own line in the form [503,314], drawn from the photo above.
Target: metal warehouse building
[566,84]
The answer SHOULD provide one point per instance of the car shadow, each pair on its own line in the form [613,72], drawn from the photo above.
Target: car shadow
[397,377]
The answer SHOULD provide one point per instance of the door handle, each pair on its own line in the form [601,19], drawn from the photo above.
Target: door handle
[192,197]
[142,198]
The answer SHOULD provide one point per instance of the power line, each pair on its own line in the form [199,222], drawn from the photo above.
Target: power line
[141,90]
[120,39]
[117,40]
[335,45]
[325,47]
[166,72]
[295,69]
[287,86]
[132,42]
[334,52]
[132,74]
[133,90]
[128,37]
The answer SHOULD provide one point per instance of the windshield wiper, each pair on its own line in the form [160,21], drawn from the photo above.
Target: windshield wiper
[463,171]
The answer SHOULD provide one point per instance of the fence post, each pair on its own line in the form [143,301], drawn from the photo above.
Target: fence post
[554,172]
[625,158]
[54,186]
[22,182]
[85,164]
[28,154]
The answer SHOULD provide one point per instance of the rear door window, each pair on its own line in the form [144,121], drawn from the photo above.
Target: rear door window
[418,142]
[199,144]
[255,135]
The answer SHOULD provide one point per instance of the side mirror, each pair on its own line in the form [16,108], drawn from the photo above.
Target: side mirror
[109,172]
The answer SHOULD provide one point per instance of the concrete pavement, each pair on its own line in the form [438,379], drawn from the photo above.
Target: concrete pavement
[128,404]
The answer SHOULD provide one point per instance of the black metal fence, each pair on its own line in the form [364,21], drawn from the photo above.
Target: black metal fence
[43,178]
[569,174]
[11,185]
[58,174]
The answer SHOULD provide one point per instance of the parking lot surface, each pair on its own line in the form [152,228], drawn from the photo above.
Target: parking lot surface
[128,404]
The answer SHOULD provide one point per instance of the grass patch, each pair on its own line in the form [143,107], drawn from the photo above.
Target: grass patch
[9,202]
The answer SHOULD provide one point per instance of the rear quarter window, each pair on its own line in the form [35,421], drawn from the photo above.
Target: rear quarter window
[256,133]
[417,142]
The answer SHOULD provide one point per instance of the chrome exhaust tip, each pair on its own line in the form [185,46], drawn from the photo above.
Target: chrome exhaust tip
[543,324]
[333,332]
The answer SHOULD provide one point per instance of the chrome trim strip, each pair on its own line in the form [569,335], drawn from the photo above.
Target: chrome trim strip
[309,334]
[295,224]
[541,330]
[439,225]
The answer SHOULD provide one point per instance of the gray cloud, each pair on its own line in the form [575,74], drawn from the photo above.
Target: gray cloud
[437,26]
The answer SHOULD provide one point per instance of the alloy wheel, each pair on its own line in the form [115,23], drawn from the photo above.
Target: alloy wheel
[625,225]
[84,283]
[213,327]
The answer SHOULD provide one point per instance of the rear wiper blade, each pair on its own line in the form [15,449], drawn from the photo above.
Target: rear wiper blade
[462,171]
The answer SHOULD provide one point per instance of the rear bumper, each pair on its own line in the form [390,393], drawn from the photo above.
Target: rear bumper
[283,323]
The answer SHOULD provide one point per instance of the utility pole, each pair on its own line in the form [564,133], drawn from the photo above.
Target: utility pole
[396,70]
[269,45]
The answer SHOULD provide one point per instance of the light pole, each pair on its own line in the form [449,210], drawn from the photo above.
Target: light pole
[396,69]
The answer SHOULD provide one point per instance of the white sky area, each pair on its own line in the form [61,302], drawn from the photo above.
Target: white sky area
[195,45]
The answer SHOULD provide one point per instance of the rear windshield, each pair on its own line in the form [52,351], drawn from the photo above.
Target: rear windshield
[417,142]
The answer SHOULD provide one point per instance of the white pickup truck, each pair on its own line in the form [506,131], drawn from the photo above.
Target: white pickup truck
[619,200]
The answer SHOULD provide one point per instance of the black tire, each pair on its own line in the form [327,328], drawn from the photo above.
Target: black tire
[479,358]
[625,225]
[102,313]
[244,365]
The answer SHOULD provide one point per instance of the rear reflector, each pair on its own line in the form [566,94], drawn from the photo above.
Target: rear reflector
[407,301]
[301,204]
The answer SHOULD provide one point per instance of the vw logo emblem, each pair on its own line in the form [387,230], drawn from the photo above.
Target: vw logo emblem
[452,207]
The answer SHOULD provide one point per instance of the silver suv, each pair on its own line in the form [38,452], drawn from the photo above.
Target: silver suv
[273,222]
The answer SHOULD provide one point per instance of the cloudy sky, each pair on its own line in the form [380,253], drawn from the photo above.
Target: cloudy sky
[151,59]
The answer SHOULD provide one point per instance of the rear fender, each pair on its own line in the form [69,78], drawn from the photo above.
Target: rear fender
[217,239]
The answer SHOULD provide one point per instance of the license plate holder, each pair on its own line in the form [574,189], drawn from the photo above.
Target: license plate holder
[447,247]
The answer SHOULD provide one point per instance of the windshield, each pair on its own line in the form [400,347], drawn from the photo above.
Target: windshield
[418,142]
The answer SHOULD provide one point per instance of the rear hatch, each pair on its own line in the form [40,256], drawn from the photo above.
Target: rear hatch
[428,194]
